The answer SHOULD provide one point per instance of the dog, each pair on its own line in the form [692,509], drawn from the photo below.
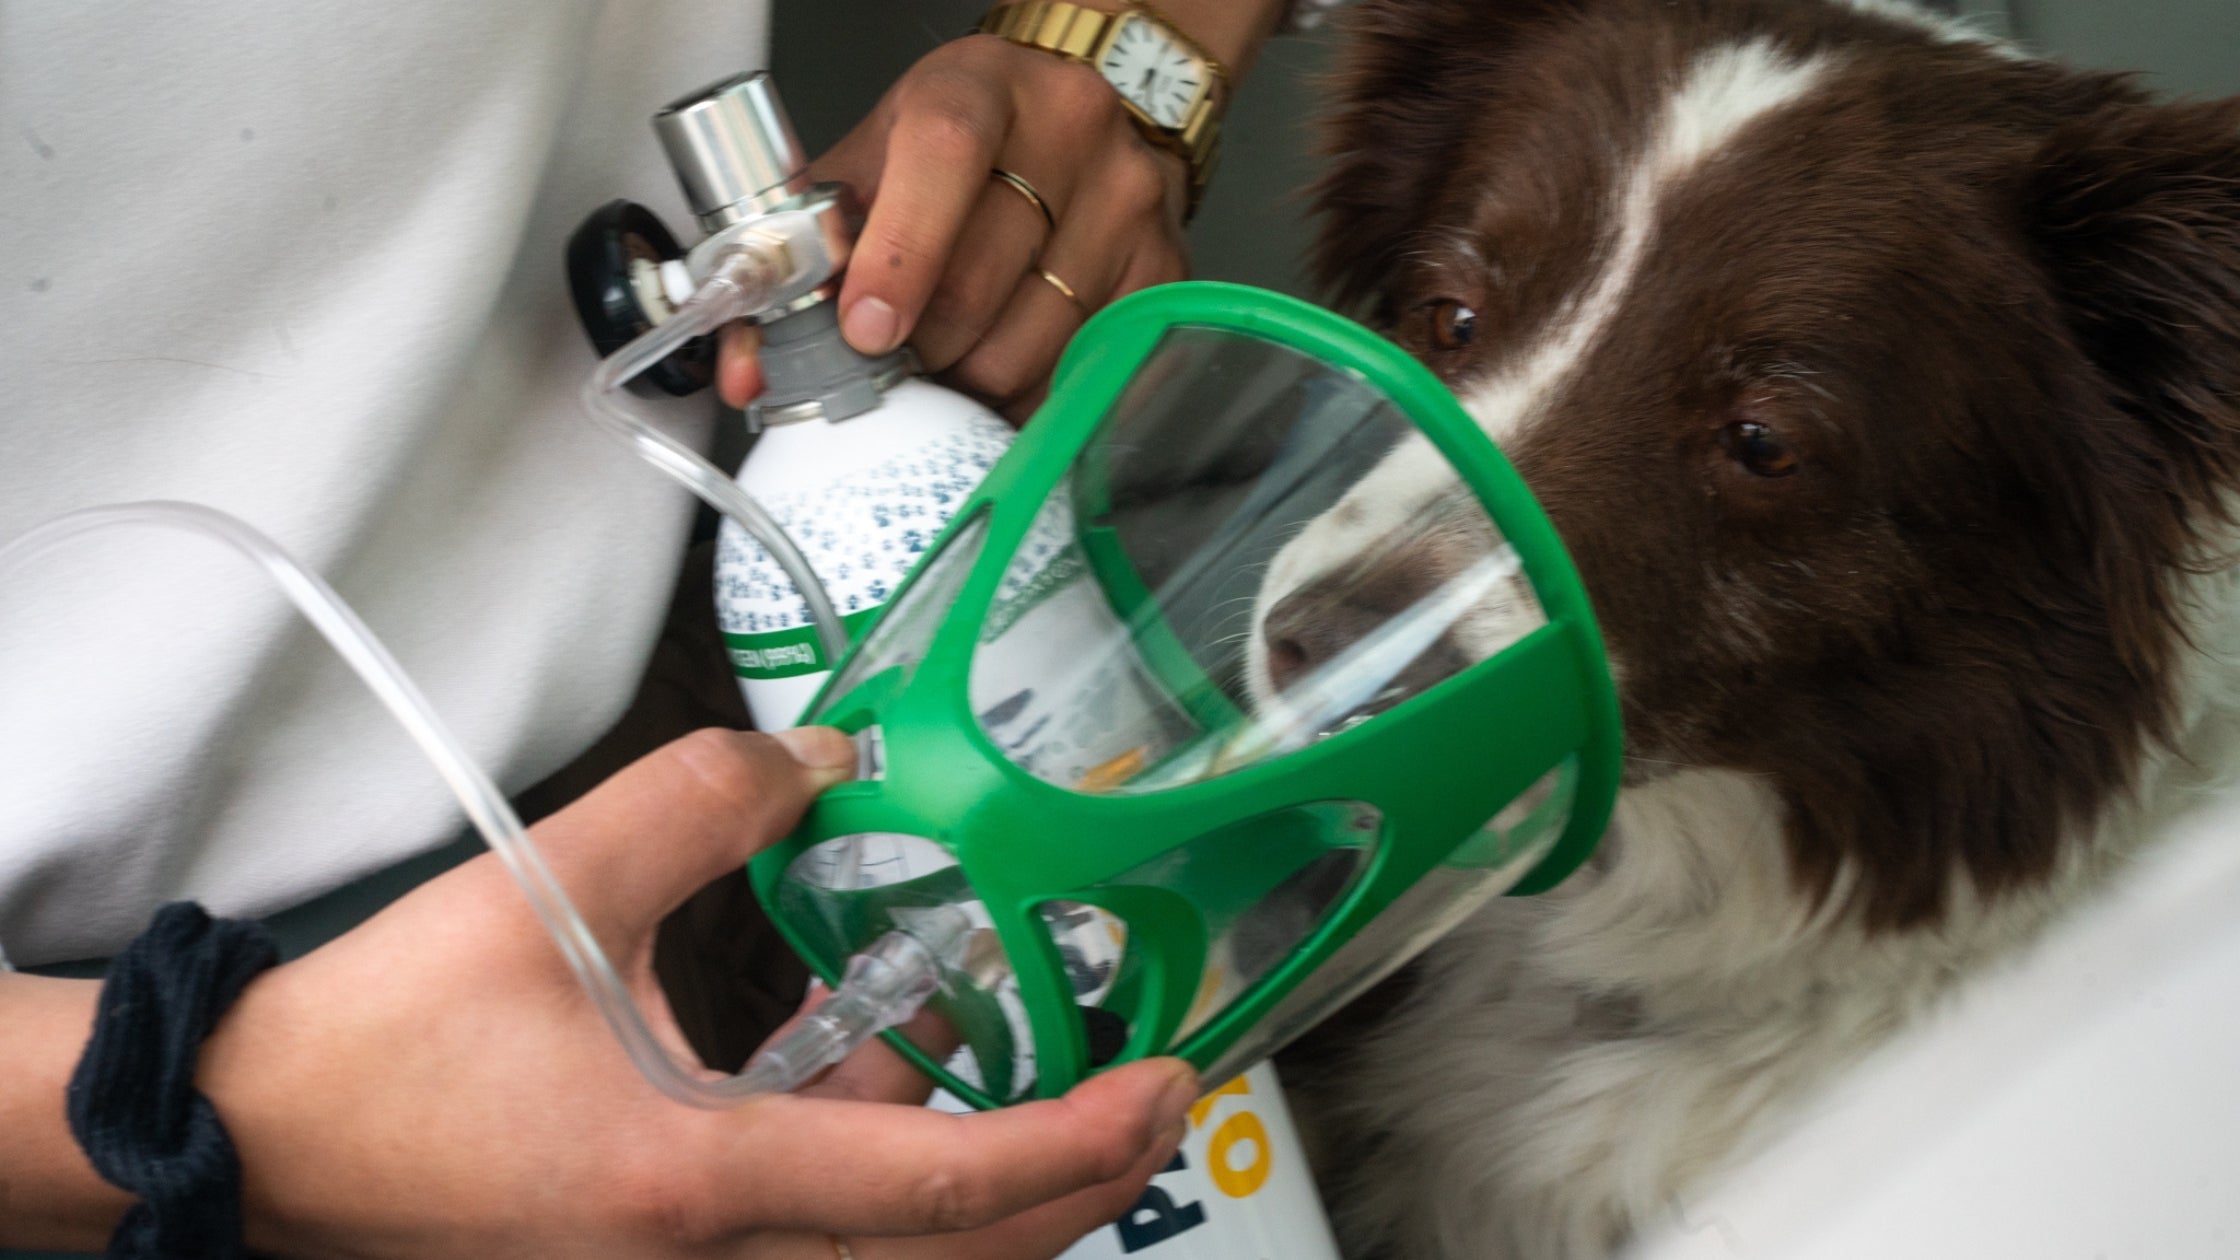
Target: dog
[1883,383]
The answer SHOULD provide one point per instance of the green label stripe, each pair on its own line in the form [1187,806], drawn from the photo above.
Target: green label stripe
[788,653]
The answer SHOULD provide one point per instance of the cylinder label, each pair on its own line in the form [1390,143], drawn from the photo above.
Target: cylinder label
[787,653]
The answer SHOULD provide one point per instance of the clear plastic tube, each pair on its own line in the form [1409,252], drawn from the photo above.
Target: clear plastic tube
[744,281]
[892,982]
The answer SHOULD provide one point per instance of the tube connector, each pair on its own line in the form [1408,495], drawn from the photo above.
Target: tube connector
[885,985]
[799,249]
[749,276]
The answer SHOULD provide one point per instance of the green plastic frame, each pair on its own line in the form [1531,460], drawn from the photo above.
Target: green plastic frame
[1438,767]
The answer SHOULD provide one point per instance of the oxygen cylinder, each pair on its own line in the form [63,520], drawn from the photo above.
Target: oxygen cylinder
[862,494]
[858,458]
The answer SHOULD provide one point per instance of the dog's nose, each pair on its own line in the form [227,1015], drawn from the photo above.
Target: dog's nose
[1305,630]
[1314,624]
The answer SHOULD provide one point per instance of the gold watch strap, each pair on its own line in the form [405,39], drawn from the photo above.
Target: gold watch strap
[1075,31]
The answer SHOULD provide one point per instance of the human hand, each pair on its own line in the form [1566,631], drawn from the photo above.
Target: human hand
[436,1083]
[950,257]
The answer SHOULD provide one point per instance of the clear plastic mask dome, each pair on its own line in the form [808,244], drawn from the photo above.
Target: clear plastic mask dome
[1255,553]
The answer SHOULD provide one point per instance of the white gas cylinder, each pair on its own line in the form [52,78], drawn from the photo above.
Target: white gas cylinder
[863,498]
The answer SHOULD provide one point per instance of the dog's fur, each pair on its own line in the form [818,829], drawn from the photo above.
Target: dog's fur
[1906,669]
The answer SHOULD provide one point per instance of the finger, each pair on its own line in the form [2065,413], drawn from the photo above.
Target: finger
[874,1168]
[948,128]
[855,160]
[1037,1233]
[810,1245]
[1166,263]
[1014,358]
[1163,262]
[738,364]
[1005,234]
[1122,213]
[877,1072]
[667,824]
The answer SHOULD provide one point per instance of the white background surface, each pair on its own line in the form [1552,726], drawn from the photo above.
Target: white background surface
[2084,1104]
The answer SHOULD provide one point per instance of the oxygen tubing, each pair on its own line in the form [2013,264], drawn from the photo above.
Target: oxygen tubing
[744,282]
[884,985]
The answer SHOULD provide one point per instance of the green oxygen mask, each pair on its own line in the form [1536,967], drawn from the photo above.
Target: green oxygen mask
[1249,670]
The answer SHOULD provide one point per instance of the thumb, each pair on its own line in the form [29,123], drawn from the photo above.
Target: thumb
[1038,1233]
[738,364]
[877,1168]
[666,825]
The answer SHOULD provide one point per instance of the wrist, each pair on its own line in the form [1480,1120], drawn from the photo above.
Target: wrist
[1175,82]
[256,1097]
[1231,30]
[50,1196]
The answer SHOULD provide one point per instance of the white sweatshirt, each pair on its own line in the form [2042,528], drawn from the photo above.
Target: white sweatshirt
[302,262]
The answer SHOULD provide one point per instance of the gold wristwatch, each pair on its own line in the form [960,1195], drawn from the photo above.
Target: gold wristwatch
[1173,88]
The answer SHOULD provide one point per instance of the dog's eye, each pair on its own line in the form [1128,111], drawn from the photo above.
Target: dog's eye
[1451,323]
[1758,449]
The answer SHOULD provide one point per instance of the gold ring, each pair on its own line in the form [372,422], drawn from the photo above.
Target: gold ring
[840,1248]
[1066,289]
[1027,190]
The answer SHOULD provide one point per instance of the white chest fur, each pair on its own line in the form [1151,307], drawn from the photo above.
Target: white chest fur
[1569,1064]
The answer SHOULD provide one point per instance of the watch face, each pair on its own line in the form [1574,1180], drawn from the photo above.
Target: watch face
[1153,72]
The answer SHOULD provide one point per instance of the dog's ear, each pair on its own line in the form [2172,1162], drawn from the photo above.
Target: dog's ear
[2137,215]
[1400,104]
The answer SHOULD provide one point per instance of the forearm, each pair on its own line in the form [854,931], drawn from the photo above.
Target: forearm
[50,1197]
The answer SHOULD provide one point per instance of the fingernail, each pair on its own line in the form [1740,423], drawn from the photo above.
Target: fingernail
[819,747]
[1170,1138]
[870,326]
[1173,1107]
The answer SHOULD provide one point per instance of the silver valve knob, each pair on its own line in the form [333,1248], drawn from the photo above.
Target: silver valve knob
[733,149]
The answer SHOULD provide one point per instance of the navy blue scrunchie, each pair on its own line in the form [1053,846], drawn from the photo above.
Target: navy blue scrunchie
[133,1104]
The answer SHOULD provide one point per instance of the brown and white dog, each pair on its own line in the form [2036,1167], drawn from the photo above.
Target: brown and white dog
[1884,383]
